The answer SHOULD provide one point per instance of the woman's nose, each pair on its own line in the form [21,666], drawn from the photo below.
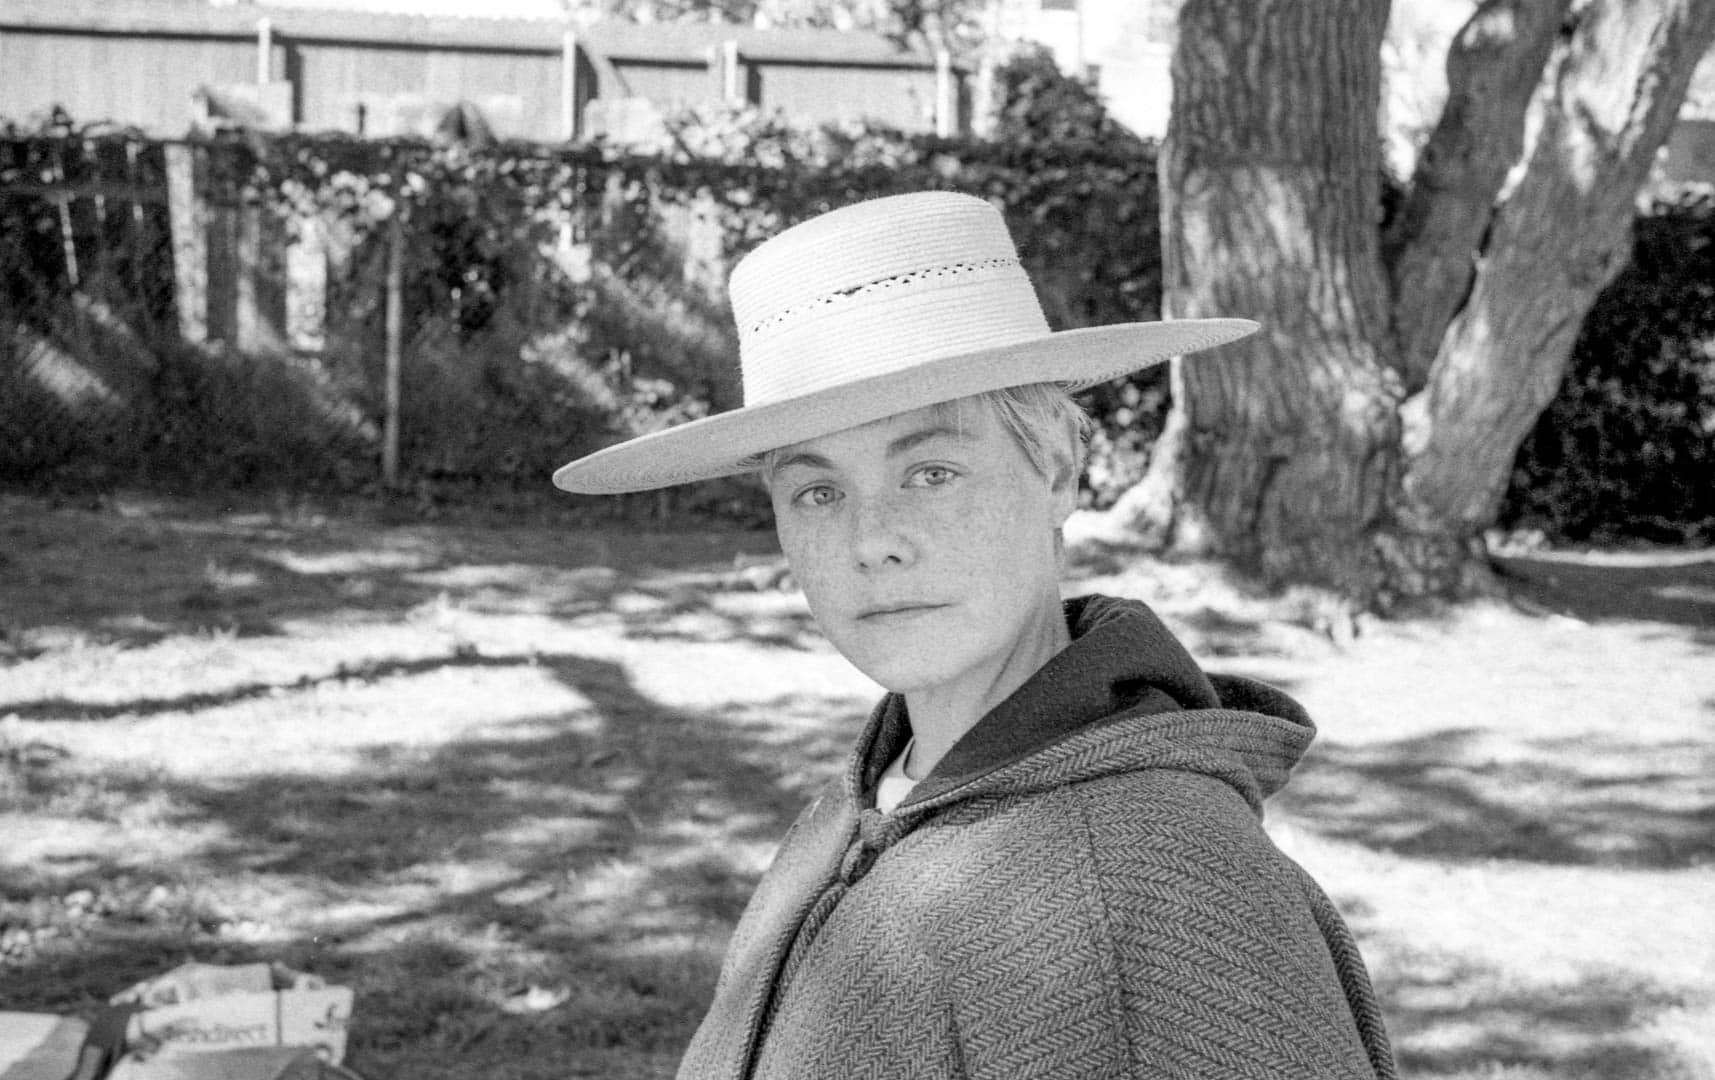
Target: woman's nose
[878,536]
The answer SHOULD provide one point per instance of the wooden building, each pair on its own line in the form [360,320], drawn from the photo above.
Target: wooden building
[160,65]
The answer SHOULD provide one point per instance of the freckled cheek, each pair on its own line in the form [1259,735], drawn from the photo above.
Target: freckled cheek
[999,523]
[813,557]
[1007,543]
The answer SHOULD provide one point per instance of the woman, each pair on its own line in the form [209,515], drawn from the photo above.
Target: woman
[1045,857]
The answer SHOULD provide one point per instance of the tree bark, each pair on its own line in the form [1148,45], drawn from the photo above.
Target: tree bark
[1270,209]
[1559,237]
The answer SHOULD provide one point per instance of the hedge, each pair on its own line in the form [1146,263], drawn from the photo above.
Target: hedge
[1626,451]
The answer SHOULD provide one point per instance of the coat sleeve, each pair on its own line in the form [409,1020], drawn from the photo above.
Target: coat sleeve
[1151,929]
[726,1039]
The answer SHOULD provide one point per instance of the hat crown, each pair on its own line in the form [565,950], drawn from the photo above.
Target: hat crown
[876,288]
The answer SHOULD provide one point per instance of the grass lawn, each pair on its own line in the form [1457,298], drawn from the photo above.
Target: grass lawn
[514,784]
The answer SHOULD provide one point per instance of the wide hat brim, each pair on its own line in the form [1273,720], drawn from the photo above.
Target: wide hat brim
[728,443]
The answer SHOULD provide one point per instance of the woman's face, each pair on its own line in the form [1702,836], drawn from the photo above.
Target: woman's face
[925,543]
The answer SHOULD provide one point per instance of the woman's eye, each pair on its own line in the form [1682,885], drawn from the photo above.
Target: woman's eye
[819,495]
[932,476]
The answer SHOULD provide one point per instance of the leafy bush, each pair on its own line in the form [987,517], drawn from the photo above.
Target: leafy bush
[215,418]
[1038,104]
[1627,449]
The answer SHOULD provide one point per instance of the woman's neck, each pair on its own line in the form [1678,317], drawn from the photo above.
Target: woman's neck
[941,715]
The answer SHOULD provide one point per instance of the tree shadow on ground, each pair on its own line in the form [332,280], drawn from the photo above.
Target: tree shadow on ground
[65,708]
[603,853]
[699,614]
[1457,1019]
[1462,795]
[135,573]
[1669,587]
[601,781]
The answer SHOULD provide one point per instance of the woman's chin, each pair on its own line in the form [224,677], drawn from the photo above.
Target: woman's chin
[907,674]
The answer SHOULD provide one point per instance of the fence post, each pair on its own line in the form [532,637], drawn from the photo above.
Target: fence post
[946,96]
[137,218]
[733,90]
[259,307]
[570,120]
[723,66]
[264,51]
[395,346]
[247,251]
[306,314]
[94,167]
[224,206]
[68,237]
[187,221]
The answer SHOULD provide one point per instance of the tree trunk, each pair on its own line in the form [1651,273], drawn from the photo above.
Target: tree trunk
[1270,209]
[1364,438]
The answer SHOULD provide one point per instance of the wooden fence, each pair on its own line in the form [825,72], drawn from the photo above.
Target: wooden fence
[114,243]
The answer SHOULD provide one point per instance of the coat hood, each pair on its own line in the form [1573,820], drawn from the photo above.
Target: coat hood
[1123,696]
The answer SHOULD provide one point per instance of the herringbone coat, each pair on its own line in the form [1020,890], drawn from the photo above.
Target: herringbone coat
[1081,888]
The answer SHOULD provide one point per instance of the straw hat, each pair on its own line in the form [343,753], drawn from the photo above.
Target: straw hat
[876,309]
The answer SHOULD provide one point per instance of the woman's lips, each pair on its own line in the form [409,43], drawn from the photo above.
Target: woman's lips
[898,611]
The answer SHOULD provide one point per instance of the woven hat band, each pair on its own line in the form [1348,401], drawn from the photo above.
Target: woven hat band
[852,247]
[890,326]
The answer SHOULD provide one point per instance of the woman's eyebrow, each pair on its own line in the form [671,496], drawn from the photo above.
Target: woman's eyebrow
[804,458]
[913,439]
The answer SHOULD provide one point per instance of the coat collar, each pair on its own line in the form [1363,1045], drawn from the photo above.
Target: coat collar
[1122,662]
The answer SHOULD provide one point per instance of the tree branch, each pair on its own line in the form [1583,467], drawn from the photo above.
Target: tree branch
[1431,246]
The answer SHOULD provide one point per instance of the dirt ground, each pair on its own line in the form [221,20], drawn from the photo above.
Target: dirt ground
[514,783]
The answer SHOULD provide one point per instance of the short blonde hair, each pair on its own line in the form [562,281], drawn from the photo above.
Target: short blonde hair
[1038,416]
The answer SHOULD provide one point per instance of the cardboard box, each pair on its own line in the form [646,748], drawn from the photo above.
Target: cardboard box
[200,1008]
[39,1046]
[316,1019]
